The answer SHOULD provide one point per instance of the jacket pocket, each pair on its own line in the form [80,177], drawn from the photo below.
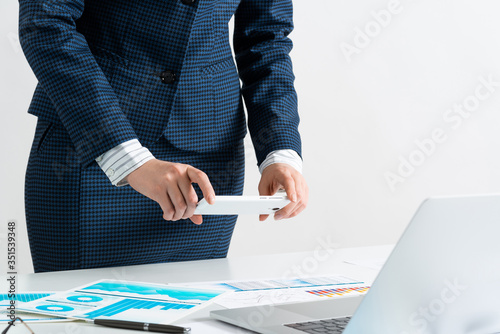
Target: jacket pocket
[218,66]
[105,54]
[44,133]
[108,62]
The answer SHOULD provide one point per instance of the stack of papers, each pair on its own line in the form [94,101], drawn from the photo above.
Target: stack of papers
[279,291]
[166,303]
[20,299]
[123,300]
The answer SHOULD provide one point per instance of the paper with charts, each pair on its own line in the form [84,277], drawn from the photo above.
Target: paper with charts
[277,291]
[123,300]
[21,298]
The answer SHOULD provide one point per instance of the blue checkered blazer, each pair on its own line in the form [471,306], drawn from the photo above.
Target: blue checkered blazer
[111,71]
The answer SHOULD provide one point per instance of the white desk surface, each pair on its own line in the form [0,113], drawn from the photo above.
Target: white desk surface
[253,267]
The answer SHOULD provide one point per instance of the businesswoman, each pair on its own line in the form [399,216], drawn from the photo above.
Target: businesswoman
[140,114]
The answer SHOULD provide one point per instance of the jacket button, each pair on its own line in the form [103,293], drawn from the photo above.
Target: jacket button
[188,2]
[167,77]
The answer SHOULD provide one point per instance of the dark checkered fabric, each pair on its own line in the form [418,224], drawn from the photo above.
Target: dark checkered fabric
[101,67]
[77,219]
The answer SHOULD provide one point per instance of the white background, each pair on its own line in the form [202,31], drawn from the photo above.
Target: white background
[360,116]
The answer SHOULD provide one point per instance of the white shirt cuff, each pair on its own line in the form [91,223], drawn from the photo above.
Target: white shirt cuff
[289,157]
[122,160]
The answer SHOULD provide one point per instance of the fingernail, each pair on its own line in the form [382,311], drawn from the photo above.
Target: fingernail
[294,198]
[211,199]
[278,216]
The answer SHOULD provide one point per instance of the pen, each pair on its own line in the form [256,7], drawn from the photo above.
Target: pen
[142,326]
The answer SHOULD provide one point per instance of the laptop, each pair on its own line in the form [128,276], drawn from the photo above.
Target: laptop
[443,276]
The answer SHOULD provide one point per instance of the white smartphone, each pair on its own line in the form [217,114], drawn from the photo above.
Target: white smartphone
[239,205]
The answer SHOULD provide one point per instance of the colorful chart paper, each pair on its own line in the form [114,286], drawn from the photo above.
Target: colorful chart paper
[123,300]
[273,284]
[21,298]
[275,291]
[339,291]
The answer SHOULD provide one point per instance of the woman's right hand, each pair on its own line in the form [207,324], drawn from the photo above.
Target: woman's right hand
[169,184]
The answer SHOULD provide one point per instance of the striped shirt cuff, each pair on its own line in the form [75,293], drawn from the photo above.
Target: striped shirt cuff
[122,160]
[289,157]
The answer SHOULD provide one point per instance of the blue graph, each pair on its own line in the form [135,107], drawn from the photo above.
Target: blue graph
[152,290]
[25,297]
[129,304]
[55,308]
[85,299]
